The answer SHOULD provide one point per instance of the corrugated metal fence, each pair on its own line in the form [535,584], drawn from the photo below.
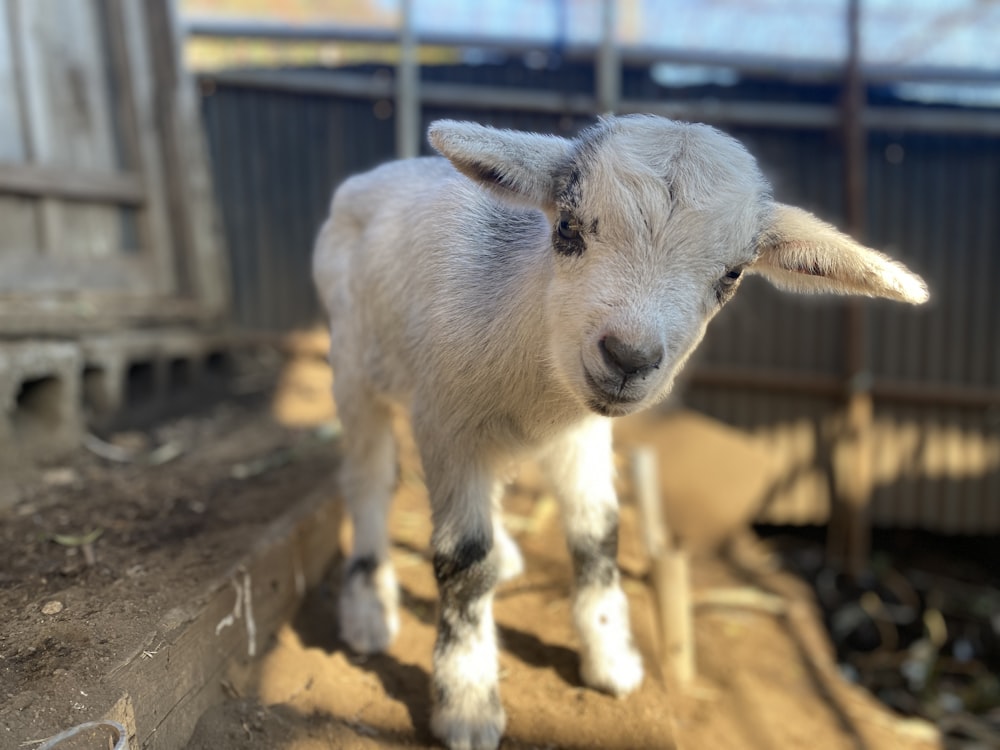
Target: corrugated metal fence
[772,363]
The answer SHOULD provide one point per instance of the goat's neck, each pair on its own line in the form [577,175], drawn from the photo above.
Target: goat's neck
[519,320]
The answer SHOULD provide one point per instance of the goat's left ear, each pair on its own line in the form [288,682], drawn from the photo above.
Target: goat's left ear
[519,167]
[801,253]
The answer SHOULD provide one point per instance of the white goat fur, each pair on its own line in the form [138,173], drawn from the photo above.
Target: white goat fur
[514,299]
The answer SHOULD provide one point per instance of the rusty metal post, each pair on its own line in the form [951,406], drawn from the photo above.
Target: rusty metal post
[609,62]
[849,537]
[407,84]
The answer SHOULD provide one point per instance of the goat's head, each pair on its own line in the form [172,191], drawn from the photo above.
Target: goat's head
[654,223]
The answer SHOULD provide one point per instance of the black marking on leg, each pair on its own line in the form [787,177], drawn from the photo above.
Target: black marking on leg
[469,551]
[595,560]
[363,566]
[464,577]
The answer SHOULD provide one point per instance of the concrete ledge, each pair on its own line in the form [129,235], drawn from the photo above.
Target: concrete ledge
[50,391]
[142,371]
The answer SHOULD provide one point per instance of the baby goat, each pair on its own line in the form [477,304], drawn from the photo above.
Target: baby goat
[514,296]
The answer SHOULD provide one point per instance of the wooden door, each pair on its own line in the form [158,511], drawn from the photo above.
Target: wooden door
[84,184]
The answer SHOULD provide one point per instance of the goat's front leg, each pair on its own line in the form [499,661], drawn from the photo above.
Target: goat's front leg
[467,714]
[581,470]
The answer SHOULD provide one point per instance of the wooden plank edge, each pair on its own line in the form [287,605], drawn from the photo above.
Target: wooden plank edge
[166,684]
[122,188]
[33,315]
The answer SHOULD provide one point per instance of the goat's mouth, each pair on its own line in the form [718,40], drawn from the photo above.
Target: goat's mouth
[610,398]
[612,409]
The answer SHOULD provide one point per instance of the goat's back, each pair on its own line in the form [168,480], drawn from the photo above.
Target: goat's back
[427,276]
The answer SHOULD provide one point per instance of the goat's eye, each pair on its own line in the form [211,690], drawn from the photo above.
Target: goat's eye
[725,287]
[568,230]
[567,239]
[732,276]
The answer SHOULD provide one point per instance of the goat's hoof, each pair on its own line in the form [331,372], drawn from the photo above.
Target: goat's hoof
[472,721]
[618,671]
[369,610]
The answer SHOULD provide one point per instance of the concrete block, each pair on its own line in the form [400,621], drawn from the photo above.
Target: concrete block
[52,391]
[39,398]
[134,377]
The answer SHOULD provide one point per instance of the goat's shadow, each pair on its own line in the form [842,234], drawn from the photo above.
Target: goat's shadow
[316,625]
[527,647]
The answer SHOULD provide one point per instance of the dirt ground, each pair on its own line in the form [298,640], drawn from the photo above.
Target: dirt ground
[75,607]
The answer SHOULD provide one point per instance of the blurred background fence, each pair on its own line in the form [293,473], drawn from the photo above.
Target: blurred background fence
[784,368]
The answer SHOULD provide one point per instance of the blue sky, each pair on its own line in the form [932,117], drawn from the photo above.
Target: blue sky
[949,33]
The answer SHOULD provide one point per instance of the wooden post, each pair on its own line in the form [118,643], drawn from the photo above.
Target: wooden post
[609,67]
[133,159]
[407,84]
[670,572]
[30,87]
[163,52]
[849,537]
[199,267]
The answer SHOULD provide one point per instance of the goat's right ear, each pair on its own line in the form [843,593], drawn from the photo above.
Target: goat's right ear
[519,167]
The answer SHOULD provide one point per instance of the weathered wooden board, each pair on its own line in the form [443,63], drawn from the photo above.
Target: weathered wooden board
[233,622]
[12,147]
[110,273]
[101,191]
[127,23]
[19,236]
[87,312]
[188,192]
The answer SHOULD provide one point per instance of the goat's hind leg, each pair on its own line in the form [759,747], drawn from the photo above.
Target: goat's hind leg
[510,563]
[369,596]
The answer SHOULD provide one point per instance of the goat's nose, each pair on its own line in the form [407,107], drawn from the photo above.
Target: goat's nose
[629,360]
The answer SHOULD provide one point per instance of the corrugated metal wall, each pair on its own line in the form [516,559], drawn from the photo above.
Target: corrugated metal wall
[276,158]
[939,205]
[932,201]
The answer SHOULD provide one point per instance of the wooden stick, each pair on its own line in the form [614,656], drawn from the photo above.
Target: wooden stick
[670,572]
[741,598]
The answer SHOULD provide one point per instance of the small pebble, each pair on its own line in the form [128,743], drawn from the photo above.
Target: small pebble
[52,608]
[60,477]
